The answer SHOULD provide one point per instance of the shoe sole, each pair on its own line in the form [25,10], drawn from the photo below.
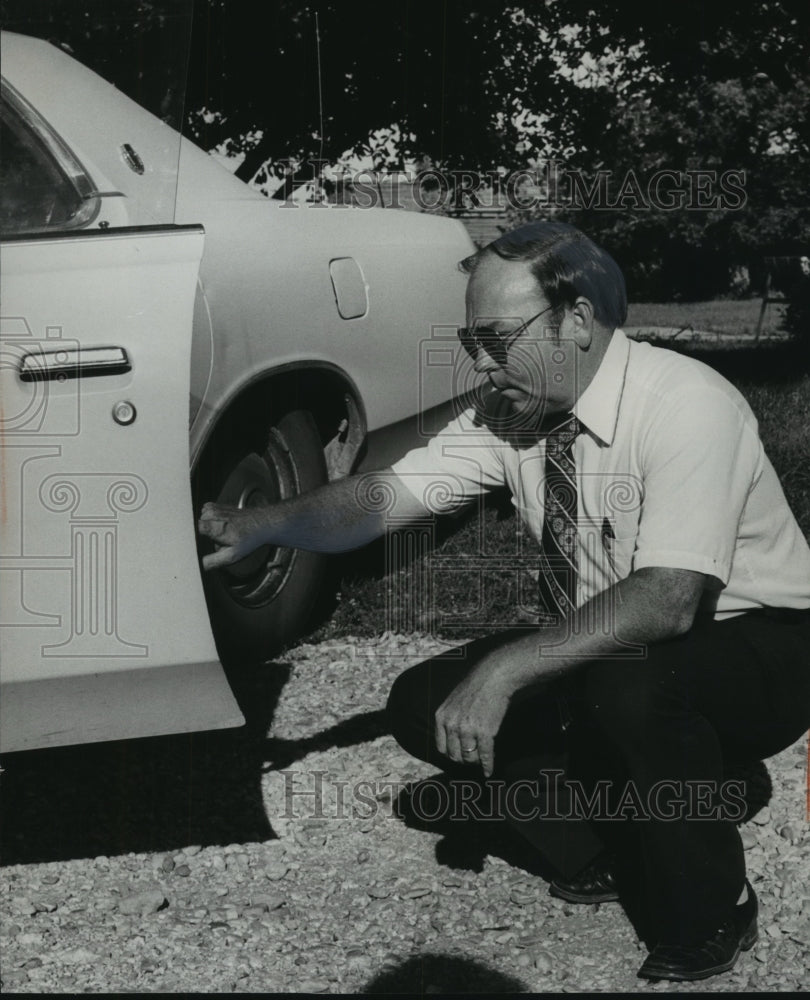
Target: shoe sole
[575,897]
[747,941]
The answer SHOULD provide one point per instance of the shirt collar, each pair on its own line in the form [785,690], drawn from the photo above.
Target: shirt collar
[598,407]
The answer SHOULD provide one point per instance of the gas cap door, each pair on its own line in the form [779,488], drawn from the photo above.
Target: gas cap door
[351,290]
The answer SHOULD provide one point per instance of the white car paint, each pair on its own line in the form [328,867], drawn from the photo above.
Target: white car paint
[105,633]
[113,640]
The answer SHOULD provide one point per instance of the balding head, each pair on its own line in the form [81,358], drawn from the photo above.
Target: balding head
[565,264]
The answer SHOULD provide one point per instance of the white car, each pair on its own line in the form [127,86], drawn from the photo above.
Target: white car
[139,275]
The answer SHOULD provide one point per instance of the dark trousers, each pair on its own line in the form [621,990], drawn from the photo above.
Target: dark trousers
[659,732]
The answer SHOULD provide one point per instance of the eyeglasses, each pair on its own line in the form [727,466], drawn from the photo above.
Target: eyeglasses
[495,344]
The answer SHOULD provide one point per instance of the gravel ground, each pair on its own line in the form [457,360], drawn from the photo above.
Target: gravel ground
[201,864]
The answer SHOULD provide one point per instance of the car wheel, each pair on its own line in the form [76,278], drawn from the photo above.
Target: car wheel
[266,599]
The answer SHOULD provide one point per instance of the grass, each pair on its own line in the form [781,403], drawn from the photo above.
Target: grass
[783,411]
[738,316]
[466,602]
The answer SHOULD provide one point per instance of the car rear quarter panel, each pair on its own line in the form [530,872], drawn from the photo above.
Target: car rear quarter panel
[266,299]
[268,287]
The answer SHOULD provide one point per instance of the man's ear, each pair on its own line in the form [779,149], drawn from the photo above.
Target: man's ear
[583,320]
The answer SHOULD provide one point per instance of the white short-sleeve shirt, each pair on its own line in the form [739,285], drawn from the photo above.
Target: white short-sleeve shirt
[671,472]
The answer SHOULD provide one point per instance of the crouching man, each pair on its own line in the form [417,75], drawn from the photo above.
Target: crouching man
[674,578]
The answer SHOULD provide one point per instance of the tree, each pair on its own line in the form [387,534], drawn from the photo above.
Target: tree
[483,87]
[430,71]
[141,46]
[723,89]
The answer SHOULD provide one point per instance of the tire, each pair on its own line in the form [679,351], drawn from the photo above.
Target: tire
[266,600]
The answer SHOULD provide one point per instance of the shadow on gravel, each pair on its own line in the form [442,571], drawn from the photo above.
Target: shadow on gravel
[434,973]
[163,793]
[465,841]
[360,728]
[152,794]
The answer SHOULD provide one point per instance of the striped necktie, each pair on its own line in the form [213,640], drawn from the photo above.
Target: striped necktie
[558,556]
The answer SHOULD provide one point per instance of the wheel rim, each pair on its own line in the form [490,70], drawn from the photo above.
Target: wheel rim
[258,481]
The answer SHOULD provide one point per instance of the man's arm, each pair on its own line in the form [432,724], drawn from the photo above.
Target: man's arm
[651,605]
[342,515]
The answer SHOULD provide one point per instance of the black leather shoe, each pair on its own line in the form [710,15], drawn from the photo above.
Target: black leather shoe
[717,954]
[596,883]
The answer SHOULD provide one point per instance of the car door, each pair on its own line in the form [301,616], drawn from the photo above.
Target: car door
[104,628]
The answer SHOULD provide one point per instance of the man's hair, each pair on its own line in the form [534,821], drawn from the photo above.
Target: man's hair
[566,265]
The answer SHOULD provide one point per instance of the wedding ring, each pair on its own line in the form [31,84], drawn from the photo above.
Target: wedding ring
[468,749]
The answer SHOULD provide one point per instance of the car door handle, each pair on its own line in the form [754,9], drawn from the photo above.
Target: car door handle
[81,362]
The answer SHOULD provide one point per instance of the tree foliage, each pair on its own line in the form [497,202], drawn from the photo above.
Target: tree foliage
[727,89]
[442,73]
[477,86]
[142,46]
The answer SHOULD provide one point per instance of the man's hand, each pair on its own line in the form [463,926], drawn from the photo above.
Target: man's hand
[234,529]
[339,516]
[651,605]
[468,720]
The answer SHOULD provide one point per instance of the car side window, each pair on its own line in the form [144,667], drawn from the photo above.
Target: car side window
[36,193]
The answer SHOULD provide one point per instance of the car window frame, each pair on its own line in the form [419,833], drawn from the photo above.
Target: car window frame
[63,159]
